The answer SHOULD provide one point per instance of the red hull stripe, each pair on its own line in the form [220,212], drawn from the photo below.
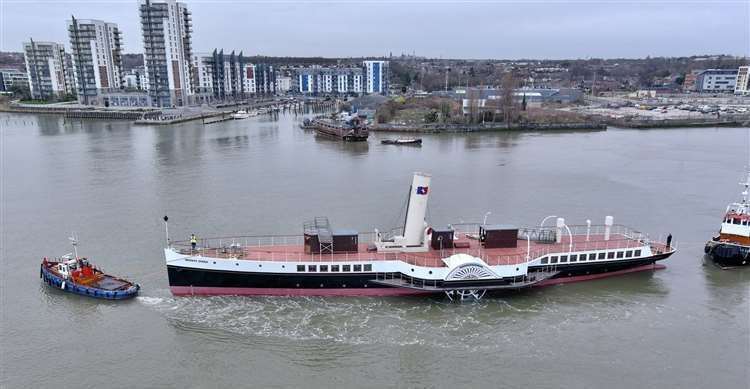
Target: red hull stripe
[219,291]
[588,277]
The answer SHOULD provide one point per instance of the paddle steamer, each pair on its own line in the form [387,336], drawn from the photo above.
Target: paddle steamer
[463,260]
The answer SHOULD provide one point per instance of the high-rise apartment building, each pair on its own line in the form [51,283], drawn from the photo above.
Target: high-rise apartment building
[167,28]
[96,49]
[48,70]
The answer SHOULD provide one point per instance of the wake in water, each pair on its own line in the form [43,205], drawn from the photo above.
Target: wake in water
[490,324]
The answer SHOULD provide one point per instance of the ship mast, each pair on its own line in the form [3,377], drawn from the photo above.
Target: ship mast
[746,184]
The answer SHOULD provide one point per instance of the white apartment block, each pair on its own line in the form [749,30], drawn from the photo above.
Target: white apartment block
[743,81]
[97,62]
[167,28]
[716,80]
[283,84]
[47,70]
[376,76]
[249,79]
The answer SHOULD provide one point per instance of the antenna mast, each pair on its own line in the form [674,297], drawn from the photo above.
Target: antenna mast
[74,242]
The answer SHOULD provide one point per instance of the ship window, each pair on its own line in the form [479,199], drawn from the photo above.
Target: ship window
[300,267]
[554,259]
[610,255]
[637,253]
[368,267]
[602,255]
[573,258]
[545,260]
[357,267]
[736,221]
[628,253]
[312,268]
[346,268]
[563,258]
[334,267]
[620,254]
[592,256]
[323,268]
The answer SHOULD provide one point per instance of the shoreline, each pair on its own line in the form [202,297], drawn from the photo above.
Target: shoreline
[151,116]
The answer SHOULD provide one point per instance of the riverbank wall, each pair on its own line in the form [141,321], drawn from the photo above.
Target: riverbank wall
[83,112]
[486,127]
[644,123]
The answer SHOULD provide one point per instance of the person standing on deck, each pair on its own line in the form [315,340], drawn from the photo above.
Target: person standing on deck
[193,241]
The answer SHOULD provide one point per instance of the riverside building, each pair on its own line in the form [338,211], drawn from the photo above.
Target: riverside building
[97,61]
[220,77]
[330,81]
[11,79]
[743,81]
[716,80]
[49,70]
[376,77]
[167,29]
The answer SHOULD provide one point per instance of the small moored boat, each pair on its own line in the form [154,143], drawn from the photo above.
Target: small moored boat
[241,114]
[75,274]
[403,141]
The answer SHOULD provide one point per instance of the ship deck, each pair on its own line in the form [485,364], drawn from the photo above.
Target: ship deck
[229,248]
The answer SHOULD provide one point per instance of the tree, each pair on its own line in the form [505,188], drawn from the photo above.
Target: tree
[507,100]
[445,110]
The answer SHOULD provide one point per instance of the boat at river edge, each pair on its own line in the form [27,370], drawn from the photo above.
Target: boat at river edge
[731,246]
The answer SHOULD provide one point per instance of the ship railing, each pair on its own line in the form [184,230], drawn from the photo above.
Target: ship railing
[241,247]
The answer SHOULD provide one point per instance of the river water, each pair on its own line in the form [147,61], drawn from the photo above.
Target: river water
[112,182]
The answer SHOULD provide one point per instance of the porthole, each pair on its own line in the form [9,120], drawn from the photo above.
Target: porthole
[236,264]
[430,272]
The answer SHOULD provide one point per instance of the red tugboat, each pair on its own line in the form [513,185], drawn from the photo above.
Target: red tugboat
[731,247]
[463,260]
[75,274]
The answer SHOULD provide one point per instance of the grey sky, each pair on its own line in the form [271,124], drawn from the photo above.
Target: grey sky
[473,29]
